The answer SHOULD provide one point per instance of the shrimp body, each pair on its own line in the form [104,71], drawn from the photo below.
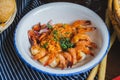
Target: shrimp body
[81,23]
[69,59]
[62,63]
[81,56]
[79,37]
[85,46]
[73,53]
[55,62]
[50,59]
[37,52]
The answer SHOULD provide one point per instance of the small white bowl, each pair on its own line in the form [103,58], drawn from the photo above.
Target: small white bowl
[61,12]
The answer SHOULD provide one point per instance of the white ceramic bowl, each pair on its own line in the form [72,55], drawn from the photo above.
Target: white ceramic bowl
[61,12]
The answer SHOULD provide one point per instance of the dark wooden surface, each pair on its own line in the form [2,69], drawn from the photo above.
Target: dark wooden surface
[113,63]
[99,6]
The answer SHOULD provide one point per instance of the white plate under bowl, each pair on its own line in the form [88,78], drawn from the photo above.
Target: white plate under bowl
[61,12]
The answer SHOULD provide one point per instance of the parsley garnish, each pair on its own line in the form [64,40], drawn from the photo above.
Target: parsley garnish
[49,26]
[67,32]
[64,25]
[65,43]
[55,34]
[45,45]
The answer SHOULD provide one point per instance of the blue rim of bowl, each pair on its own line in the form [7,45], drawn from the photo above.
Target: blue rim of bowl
[69,74]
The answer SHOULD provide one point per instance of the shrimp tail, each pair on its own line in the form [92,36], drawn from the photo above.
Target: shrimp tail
[93,45]
[50,60]
[37,27]
[32,38]
[92,54]
[69,64]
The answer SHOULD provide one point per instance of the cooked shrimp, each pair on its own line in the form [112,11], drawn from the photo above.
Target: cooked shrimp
[81,56]
[62,63]
[81,23]
[35,49]
[79,37]
[83,46]
[87,44]
[38,52]
[44,59]
[37,27]
[84,49]
[86,29]
[55,62]
[73,53]
[50,59]
[69,59]
[33,37]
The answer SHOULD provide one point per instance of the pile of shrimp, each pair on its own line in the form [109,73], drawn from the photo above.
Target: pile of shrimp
[61,45]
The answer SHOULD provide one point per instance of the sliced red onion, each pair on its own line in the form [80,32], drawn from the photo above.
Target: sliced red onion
[50,22]
[43,30]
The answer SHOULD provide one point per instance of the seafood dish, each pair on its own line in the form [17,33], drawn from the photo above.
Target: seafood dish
[61,45]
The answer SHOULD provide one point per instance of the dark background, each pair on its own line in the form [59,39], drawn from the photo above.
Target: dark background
[100,6]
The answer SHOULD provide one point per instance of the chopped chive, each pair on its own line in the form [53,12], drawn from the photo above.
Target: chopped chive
[55,32]
[49,26]
[63,25]
[65,43]
[45,45]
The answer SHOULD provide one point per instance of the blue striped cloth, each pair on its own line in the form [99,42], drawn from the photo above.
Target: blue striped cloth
[11,67]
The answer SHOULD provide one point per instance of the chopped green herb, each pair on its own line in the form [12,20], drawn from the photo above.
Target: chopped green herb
[55,39]
[63,25]
[49,26]
[61,35]
[55,34]
[64,47]
[65,43]
[45,45]
[67,32]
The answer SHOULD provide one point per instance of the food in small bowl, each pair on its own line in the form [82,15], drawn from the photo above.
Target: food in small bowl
[93,34]
[8,11]
[61,45]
